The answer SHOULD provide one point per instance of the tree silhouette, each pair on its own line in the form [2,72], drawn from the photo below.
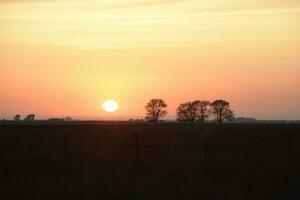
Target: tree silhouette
[193,110]
[202,110]
[156,110]
[187,111]
[221,111]
[17,117]
[29,117]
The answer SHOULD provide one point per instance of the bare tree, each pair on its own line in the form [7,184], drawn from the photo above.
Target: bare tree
[187,111]
[221,111]
[202,110]
[193,110]
[156,110]
[17,117]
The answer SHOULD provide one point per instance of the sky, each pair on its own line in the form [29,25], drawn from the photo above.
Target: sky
[65,57]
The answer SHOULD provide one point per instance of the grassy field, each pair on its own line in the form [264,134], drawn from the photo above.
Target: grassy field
[140,161]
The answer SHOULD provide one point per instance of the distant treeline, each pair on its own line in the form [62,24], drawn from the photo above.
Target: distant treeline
[31,117]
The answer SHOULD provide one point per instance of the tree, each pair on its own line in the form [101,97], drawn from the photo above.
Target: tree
[17,117]
[221,111]
[202,110]
[29,117]
[192,111]
[187,111]
[156,110]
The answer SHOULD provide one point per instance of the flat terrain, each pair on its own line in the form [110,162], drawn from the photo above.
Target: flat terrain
[140,161]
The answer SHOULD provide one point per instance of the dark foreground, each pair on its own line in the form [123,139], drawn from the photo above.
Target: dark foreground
[139,161]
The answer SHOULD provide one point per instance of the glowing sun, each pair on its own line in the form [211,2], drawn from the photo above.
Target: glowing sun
[110,105]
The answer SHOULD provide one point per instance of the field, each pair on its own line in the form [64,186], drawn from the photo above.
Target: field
[141,161]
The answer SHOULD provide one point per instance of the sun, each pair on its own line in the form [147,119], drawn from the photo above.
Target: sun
[110,105]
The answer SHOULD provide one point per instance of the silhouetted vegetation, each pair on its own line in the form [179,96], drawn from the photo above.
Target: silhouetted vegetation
[56,119]
[193,111]
[203,110]
[187,111]
[29,117]
[17,117]
[156,110]
[136,120]
[60,119]
[220,110]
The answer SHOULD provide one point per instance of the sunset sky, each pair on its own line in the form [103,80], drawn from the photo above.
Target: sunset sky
[65,57]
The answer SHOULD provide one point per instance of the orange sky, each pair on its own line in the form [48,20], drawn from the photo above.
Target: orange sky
[64,58]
